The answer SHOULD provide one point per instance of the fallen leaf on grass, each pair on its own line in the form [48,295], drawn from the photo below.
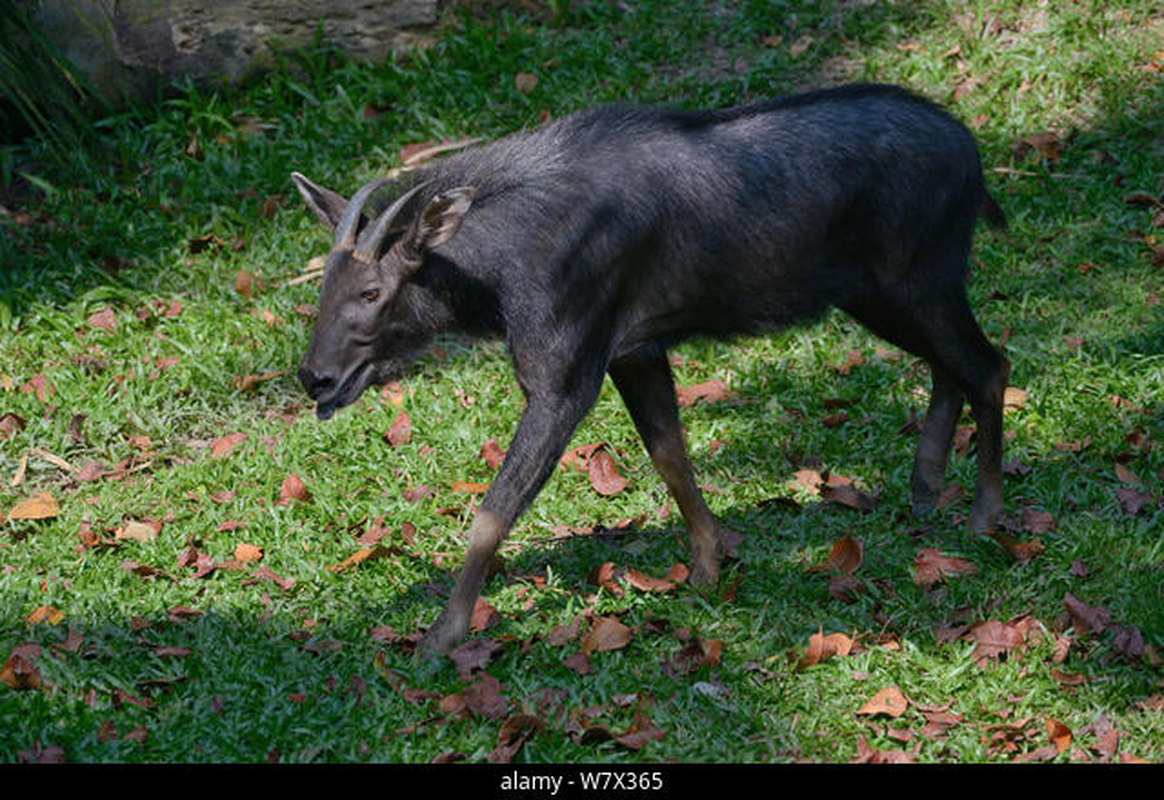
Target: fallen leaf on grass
[247,382]
[604,475]
[1133,501]
[484,616]
[1035,521]
[359,557]
[1013,398]
[10,425]
[293,490]
[525,82]
[473,655]
[182,614]
[560,635]
[222,446]
[821,648]
[483,697]
[677,575]
[1128,642]
[1059,734]
[39,506]
[889,701]
[104,320]
[932,566]
[139,531]
[847,494]
[1021,552]
[246,553]
[853,358]
[41,386]
[46,615]
[869,755]
[513,734]
[401,431]
[247,284]
[1047,144]
[845,588]
[993,639]
[713,391]
[845,556]
[19,671]
[607,634]
[1086,619]
[492,453]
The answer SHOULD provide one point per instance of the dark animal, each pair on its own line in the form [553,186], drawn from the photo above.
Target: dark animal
[596,242]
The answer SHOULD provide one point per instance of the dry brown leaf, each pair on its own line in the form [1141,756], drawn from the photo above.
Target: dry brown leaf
[19,671]
[359,557]
[293,490]
[713,391]
[1086,619]
[39,506]
[484,616]
[1021,552]
[677,575]
[139,530]
[492,453]
[845,556]
[246,553]
[932,566]
[1013,398]
[604,477]
[45,615]
[1059,734]
[821,648]
[607,634]
[245,383]
[993,639]
[401,431]
[889,701]
[223,445]
[1133,501]
[561,635]
[104,320]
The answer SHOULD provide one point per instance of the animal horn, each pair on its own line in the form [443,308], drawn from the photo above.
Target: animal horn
[373,237]
[345,231]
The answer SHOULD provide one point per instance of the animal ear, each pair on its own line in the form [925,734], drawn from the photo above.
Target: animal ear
[326,204]
[441,218]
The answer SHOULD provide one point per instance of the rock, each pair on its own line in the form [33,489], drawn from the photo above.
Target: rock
[126,48]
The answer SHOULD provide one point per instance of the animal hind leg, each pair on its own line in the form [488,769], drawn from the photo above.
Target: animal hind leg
[648,390]
[941,419]
[981,372]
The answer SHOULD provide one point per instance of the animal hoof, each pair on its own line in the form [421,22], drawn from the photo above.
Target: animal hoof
[922,508]
[440,639]
[984,517]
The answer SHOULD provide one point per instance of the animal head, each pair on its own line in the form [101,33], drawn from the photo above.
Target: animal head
[366,330]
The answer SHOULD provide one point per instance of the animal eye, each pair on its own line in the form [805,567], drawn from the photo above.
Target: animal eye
[370,294]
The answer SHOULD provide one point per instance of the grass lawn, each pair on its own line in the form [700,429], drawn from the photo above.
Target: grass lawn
[181,598]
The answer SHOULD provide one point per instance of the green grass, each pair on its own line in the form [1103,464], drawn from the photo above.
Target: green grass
[293,673]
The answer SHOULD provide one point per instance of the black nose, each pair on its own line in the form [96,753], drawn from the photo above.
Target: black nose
[315,384]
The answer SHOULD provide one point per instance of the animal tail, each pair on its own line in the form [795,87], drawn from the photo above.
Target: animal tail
[993,213]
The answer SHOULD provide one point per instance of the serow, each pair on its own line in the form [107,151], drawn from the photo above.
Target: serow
[596,242]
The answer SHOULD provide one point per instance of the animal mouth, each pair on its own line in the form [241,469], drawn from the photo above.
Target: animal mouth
[347,393]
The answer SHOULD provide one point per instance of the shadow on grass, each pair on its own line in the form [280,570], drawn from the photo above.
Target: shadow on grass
[53,266]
